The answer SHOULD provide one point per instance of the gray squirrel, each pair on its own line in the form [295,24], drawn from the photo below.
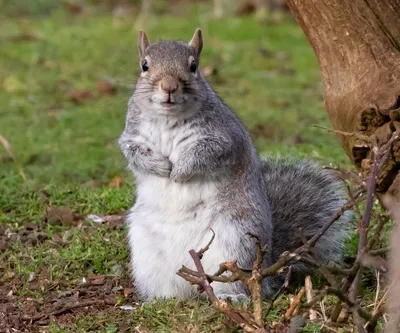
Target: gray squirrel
[196,169]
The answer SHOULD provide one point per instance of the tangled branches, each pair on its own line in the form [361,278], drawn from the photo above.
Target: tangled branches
[342,281]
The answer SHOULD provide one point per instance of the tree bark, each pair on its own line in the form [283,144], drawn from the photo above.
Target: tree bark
[357,43]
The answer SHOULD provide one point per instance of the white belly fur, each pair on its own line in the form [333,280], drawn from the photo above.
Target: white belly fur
[168,220]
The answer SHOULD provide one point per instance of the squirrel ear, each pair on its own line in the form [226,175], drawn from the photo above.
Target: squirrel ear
[197,41]
[142,43]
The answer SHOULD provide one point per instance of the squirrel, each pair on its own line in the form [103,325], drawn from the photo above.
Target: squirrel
[196,169]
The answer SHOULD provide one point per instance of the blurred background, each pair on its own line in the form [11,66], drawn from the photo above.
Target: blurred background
[69,67]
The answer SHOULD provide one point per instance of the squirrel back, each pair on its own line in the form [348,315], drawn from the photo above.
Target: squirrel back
[196,169]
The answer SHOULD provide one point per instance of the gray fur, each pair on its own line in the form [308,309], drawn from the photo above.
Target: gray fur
[200,153]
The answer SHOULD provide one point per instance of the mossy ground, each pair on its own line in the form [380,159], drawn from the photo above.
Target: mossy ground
[66,146]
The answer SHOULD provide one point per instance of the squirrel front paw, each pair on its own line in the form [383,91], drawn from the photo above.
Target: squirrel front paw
[178,176]
[144,159]
[160,165]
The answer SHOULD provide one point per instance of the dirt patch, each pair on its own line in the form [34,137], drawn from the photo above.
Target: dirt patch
[30,235]
[59,301]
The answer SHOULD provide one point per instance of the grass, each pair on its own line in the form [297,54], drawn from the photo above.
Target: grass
[267,72]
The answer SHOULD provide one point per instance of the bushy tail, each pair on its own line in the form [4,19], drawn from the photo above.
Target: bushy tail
[303,195]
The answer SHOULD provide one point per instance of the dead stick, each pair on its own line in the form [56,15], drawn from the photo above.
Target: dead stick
[364,223]
[64,309]
[205,284]
[10,152]
[308,286]
[294,305]
[222,305]
[254,283]
[280,291]
[312,241]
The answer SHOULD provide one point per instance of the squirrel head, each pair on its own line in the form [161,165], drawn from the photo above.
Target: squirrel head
[169,82]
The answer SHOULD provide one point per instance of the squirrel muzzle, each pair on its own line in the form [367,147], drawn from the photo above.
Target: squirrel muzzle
[169,85]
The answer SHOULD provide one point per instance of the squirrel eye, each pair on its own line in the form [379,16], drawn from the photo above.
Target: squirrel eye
[145,66]
[193,67]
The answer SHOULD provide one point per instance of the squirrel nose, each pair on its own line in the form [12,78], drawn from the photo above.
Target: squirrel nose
[169,84]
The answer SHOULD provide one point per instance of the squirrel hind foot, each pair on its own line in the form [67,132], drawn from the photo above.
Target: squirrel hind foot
[234,298]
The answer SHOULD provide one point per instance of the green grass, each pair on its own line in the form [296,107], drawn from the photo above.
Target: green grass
[267,72]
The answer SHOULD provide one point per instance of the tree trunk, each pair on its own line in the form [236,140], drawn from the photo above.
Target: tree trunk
[394,271]
[357,43]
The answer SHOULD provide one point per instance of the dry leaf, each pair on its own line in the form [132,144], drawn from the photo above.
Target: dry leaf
[96,279]
[59,214]
[247,8]
[115,182]
[105,88]
[81,96]
[128,292]
[73,8]
[23,38]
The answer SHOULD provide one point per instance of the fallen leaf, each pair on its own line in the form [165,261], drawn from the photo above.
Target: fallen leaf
[95,218]
[32,276]
[59,214]
[66,293]
[115,182]
[127,307]
[4,243]
[128,292]
[73,8]
[98,282]
[31,226]
[96,279]
[112,221]
[23,38]
[247,8]
[95,276]
[117,270]
[105,88]
[80,96]
[117,289]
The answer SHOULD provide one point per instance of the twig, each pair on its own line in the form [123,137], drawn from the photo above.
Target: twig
[352,305]
[357,135]
[10,152]
[359,323]
[394,299]
[312,241]
[295,304]
[204,249]
[375,237]
[376,262]
[284,259]
[381,251]
[308,287]
[242,317]
[64,309]
[254,283]
[380,156]
[280,291]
